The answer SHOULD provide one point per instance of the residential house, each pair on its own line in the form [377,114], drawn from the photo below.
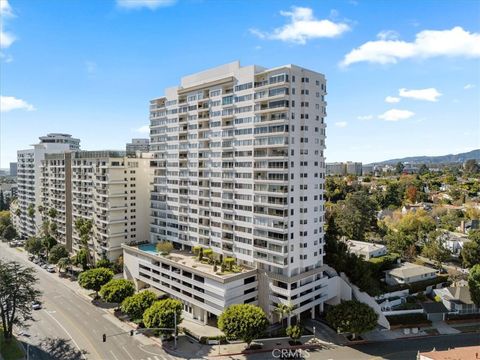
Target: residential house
[408,273]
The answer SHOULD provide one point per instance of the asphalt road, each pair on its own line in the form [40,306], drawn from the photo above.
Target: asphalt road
[69,327]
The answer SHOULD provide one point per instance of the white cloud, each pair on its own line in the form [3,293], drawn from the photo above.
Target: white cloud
[430,94]
[427,44]
[6,38]
[469,86]
[392,99]
[302,27]
[145,129]
[396,115]
[150,4]
[9,103]
[365,117]
[388,35]
[341,124]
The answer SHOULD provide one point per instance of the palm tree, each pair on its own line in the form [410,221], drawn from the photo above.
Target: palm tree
[64,263]
[84,229]
[284,310]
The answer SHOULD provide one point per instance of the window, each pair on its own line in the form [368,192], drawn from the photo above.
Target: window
[244,86]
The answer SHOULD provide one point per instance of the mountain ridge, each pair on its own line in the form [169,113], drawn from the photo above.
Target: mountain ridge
[450,158]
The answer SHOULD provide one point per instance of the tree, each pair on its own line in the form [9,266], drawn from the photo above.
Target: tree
[2,202]
[63,264]
[411,194]
[48,243]
[94,279]
[34,245]
[399,168]
[31,211]
[243,321]
[352,317]
[423,169]
[356,216]
[474,284]
[81,258]
[162,315]
[56,253]
[295,333]
[471,167]
[117,290]
[471,250]
[137,304]
[17,292]
[164,247]
[9,232]
[284,310]
[434,248]
[104,263]
[52,213]
[84,229]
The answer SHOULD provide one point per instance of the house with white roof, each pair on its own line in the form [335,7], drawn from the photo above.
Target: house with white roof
[366,249]
[408,273]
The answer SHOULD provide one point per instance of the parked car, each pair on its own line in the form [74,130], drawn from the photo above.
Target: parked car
[36,305]
[44,266]
[51,268]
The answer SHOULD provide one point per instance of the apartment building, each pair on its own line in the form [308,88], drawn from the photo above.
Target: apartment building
[142,145]
[28,179]
[344,168]
[239,169]
[107,187]
[353,168]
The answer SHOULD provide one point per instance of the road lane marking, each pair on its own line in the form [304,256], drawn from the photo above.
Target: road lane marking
[111,352]
[148,352]
[71,337]
[124,349]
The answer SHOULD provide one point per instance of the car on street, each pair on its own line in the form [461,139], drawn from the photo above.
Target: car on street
[44,266]
[36,305]
[51,268]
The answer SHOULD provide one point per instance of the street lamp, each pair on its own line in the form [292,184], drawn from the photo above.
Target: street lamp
[314,337]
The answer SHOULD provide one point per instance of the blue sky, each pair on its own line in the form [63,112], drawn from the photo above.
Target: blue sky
[89,67]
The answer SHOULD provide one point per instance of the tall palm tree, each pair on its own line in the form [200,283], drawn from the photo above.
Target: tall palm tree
[284,310]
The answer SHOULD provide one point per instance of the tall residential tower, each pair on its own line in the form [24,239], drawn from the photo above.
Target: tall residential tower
[239,170]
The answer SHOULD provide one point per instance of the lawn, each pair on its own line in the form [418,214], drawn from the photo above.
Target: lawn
[12,350]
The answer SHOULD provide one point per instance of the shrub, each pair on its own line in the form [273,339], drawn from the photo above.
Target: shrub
[229,262]
[117,290]
[243,321]
[162,314]
[164,247]
[137,304]
[408,319]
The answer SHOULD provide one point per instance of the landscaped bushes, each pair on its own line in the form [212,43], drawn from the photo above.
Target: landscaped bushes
[454,317]
[408,319]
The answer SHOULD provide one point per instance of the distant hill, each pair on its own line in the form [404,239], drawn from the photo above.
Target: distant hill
[451,158]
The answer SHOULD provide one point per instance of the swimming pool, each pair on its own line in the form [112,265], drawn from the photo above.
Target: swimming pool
[150,248]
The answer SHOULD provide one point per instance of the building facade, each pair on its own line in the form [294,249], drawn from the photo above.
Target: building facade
[29,171]
[107,187]
[142,145]
[239,169]
[13,169]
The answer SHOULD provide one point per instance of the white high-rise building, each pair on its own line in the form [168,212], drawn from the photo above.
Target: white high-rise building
[239,170]
[28,178]
[110,188]
[142,145]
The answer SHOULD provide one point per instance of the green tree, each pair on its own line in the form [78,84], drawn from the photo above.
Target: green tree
[295,332]
[117,290]
[31,211]
[474,284]
[356,216]
[399,168]
[81,258]
[434,248]
[94,279]
[352,317]
[243,321]
[164,247]
[34,245]
[84,229]
[17,292]
[64,264]
[162,315]
[48,242]
[52,213]
[471,167]
[9,232]
[423,169]
[56,253]
[137,304]
[104,263]
[284,310]
[470,253]
[2,202]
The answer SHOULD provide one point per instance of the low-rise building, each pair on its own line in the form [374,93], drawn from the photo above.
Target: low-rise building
[454,241]
[460,353]
[366,249]
[457,299]
[408,273]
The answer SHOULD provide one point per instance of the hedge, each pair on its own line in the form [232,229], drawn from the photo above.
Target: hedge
[463,316]
[408,319]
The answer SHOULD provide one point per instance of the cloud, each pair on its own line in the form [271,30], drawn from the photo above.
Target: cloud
[430,94]
[302,27]
[9,103]
[341,124]
[150,4]
[388,35]
[396,115]
[469,86]
[365,117]
[455,42]
[145,129]
[6,38]
[392,99]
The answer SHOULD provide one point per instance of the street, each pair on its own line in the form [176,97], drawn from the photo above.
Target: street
[69,327]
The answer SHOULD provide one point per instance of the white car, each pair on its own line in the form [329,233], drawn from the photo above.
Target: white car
[36,305]
[51,269]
